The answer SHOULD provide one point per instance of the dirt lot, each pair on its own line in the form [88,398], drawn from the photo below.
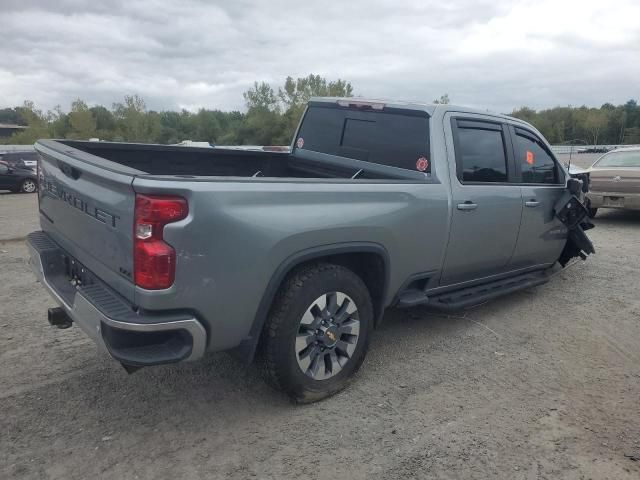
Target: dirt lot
[543,384]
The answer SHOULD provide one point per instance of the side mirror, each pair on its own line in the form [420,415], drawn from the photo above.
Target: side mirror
[574,186]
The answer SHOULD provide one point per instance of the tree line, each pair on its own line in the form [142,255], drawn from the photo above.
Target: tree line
[608,125]
[272,115]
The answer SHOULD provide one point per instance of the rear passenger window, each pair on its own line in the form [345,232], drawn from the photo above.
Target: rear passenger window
[398,139]
[536,162]
[480,152]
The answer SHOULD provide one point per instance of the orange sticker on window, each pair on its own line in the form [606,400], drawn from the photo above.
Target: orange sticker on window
[529,157]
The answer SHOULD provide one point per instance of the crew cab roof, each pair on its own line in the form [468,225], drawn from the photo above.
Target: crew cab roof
[430,108]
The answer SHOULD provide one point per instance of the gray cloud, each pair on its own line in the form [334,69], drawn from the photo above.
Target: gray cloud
[195,54]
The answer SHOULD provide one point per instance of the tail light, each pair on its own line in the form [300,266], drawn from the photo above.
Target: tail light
[154,260]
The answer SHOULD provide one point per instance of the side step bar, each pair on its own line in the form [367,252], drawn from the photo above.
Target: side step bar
[470,296]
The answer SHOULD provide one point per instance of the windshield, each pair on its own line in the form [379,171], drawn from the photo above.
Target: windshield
[620,159]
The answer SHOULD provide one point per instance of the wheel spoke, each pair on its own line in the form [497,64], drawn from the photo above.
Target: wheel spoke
[303,341]
[344,312]
[307,358]
[335,364]
[308,318]
[332,302]
[320,304]
[346,308]
[346,349]
[351,327]
[317,368]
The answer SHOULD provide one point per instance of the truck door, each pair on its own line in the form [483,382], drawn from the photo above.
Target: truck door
[486,207]
[542,236]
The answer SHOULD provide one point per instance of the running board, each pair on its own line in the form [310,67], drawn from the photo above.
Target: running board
[412,298]
[470,296]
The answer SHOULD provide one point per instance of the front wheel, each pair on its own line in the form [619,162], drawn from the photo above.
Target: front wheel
[28,186]
[317,334]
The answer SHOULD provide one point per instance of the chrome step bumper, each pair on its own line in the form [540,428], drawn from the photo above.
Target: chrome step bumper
[133,338]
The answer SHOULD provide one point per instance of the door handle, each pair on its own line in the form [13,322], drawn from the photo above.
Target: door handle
[531,203]
[468,205]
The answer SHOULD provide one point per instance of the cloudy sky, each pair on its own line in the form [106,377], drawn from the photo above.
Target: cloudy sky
[189,54]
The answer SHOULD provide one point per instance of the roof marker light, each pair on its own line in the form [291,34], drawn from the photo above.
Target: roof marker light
[361,104]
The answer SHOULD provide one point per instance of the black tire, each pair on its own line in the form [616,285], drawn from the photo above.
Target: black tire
[295,298]
[28,186]
[592,212]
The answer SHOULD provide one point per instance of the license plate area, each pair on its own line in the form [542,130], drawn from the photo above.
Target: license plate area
[76,273]
[65,275]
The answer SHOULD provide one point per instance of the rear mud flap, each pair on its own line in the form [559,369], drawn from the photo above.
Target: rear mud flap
[574,214]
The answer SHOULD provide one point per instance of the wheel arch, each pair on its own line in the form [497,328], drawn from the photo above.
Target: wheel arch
[352,255]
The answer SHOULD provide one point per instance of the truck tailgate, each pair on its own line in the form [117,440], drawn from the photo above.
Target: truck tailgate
[86,206]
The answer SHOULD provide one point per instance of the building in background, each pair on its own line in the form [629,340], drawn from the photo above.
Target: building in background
[8,129]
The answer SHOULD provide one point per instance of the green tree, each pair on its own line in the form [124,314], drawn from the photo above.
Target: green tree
[133,122]
[59,125]
[82,121]
[207,126]
[271,118]
[105,122]
[261,96]
[594,123]
[295,94]
[37,123]
[9,115]
[444,99]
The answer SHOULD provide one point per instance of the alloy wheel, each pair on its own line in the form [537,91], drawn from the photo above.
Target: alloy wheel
[29,186]
[327,336]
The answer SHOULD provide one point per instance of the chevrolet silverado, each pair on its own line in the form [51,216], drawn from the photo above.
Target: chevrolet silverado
[163,253]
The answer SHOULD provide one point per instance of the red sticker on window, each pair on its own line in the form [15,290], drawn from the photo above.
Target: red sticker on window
[530,158]
[422,164]
[300,142]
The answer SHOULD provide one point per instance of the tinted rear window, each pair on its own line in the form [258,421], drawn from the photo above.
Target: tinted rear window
[480,153]
[395,139]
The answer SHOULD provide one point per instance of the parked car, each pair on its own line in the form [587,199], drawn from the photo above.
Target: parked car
[161,253]
[21,159]
[17,179]
[594,150]
[615,181]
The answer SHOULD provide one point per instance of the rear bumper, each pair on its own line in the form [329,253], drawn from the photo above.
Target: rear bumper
[131,337]
[627,201]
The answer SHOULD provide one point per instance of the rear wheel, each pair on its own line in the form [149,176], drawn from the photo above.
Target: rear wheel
[28,186]
[317,334]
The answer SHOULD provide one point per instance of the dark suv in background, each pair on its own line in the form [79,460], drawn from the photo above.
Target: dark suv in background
[17,179]
[20,159]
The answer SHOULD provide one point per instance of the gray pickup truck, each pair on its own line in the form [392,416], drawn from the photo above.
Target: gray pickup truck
[163,253]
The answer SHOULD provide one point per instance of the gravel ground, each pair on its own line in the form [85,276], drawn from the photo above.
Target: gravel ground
[542,384]
[18,215]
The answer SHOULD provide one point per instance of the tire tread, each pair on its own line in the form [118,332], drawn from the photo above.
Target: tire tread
[278,321]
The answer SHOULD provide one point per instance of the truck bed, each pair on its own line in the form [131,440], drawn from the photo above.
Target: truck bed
[220,162]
